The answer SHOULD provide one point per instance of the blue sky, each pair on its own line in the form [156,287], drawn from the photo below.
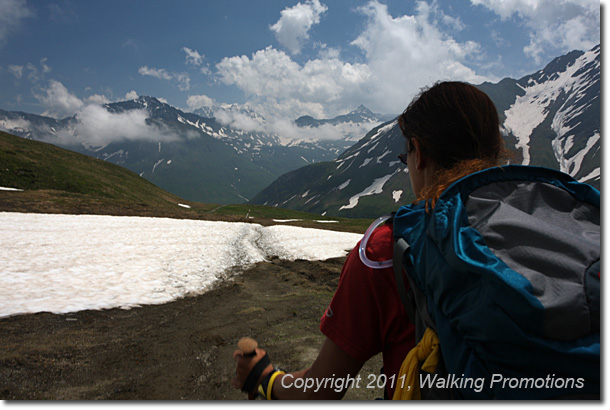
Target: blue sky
[283,58]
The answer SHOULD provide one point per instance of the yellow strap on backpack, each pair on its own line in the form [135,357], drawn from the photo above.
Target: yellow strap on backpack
[425,356]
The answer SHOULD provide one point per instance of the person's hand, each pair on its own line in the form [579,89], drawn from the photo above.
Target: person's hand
[244,365]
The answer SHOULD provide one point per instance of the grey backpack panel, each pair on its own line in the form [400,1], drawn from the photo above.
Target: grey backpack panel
[533,227]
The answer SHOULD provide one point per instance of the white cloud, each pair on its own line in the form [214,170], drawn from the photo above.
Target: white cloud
[182,79]
[12,13]
[408,52]
[16,70]
[33,73]
[132,95]
[159,73]
[96,126]
[453,22]
[58,101]
[556,25]
[192,56]
[197,101]
[271,78]
[402,54]
[98,99]
[15,124]
[295,22]
[45,68]
[349,131]
[280,77]
[241,121]
[326,52]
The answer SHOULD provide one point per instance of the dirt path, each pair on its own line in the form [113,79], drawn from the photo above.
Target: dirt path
[179,350]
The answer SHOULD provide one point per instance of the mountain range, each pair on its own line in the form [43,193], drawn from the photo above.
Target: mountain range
[189,154]
[550,118]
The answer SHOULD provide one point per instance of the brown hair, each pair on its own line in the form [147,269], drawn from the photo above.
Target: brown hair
[457,127]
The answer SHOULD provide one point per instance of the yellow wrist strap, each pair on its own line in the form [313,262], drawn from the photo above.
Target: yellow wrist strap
[271,380]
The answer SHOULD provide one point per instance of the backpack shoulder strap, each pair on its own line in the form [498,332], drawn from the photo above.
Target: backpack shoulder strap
[412,298]
[400,247]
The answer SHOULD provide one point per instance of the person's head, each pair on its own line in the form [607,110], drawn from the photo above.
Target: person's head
[452,129]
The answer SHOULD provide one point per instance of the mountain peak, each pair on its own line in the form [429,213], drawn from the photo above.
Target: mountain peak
[146,98]
[150,101]
[362,110]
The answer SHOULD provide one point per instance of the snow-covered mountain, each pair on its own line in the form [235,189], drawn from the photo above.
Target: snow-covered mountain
[196,157]
[556,114]
[359,116]
[550,118]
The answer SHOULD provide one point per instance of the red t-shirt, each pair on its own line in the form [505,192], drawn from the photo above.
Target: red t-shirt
[366,315]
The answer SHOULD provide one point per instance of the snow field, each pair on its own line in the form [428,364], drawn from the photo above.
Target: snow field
[67,263]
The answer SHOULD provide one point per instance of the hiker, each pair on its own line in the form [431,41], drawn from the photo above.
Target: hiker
[451,129]
[494,272]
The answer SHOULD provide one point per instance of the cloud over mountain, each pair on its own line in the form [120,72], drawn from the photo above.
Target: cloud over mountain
[58,101]
[93,125]
[97,126]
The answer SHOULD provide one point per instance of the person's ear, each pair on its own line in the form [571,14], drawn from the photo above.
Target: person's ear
[420,159]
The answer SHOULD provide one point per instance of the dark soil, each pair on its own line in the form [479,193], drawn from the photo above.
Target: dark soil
[178,350]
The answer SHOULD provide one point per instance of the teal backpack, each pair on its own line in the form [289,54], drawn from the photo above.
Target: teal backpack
[506,270]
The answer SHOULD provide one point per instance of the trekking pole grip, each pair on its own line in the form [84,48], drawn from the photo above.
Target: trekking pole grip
[248,346]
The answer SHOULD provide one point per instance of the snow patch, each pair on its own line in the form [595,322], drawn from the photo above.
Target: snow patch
[385,153]
[572,165]
[593,175]
[344,185]
[366,162]
[286,220]
[375,188]
[157,164]
[383,129]
[67,263]
[396,195]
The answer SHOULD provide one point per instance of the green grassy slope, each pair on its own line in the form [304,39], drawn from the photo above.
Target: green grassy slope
[55,180]
[58,177]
